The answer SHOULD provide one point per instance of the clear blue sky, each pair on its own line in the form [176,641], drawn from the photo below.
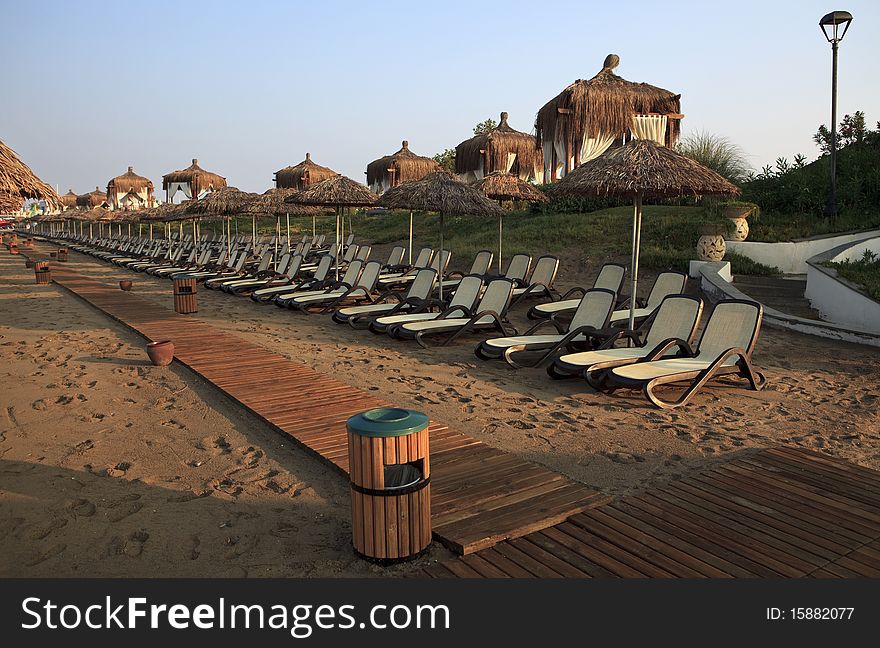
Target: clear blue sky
[248,87]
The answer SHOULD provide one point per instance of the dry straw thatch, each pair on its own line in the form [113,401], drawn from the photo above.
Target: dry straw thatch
[496,146]
[226,201]
[94,198]
[604,104]
[274,202]
[338,191]
[440,192]
[302,175]
[642,168]
[160,212]
[400,167]
[196,177]
[506,186]
[18,182]
[68,200]
[129,183]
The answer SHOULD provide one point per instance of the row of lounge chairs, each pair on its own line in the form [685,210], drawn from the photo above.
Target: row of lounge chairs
[576,335]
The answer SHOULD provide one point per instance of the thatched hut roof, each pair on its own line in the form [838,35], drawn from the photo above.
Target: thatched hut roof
[274,202]
[68,200]
[302,175]
[440,192]
[18,182]
[403,166]
[196,177]
[92,199]
[129,182]
[642,167]
[506,186]
[223,202]
[338,191]
[605,104]
[94,214]
[500,143]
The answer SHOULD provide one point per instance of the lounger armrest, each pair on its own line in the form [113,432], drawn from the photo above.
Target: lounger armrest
[609,341]
[388,294]
[577,291]
[546,322]
[660,350]
[458,311]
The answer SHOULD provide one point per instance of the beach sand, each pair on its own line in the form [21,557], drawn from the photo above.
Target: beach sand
[821,395]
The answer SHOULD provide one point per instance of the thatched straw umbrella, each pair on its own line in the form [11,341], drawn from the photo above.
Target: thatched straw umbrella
[96,198]
[130,183]
[586,118]
[68,200]
[338,192]
[158,214]
[192,180]
[506,186]
[18,183]
[638,170]
[221,203]
[500,149]
[274,203]
[301,176]
[440,192]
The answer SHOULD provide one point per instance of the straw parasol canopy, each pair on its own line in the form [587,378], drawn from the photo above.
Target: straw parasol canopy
[603,108]
[440,192]
[274,202]
[68,200]
[642,169]
[94,198]
[18,183]
[400,167]
[302,175]
[130,183]
[491,151]
[339,192]
[196,177]
[222,202]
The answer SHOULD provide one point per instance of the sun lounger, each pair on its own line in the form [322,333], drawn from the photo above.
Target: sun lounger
[391,302]
[676,318]
[438,262]
[348,280]
[610,277]
[423,260]
[245,286]
[589,320]
[315,281]
[480,266]
[540,281]
[217,283]
[725,349]
[343,295]
[462,302]
[489,314]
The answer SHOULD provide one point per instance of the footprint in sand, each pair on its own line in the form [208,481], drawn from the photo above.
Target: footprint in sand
[624,457]
[43,529]
[119,469]
[191,548]
[134,546]
[80,507]
[124,507]
[40,405]
[42,556]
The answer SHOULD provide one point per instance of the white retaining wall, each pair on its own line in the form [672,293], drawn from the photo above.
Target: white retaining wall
[791,256]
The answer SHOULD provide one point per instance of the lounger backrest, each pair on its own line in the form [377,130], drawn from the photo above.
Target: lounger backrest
[323,268]
[221,259]
[306,248]
[545,271]
[518,267]
[423,284]
[205,257]
[298,248]
[350,239]
[481,262]
[363,252]
[369,276]
[350,253]
[293,266]
[496,297]
[283,263]
[610,277]
[677,317]
[441,261]
[467,292]
[395,257]
[667,283]
[265,260]
[239,264]
[352,272]
[595,309]
[733,323]
[423,260]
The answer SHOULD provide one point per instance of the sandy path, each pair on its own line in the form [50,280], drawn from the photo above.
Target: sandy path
[110,466]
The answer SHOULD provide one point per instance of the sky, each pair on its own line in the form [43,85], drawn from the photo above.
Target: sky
[248,87]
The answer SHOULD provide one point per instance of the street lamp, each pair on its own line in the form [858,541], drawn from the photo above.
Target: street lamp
[834,27]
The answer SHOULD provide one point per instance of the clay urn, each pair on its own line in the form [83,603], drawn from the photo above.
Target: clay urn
[125,284]
[161,353]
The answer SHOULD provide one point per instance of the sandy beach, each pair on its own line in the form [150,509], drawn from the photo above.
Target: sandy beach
[111,466]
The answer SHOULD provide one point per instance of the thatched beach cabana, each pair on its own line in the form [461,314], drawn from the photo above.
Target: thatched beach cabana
[18,183]
[302,175]
[96,198]
[68,200]
[403,166]
[590,116]
[193,181]
[130,191]
[500,149]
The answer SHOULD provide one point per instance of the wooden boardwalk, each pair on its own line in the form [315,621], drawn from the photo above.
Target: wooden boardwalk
[783,512]
[479,495]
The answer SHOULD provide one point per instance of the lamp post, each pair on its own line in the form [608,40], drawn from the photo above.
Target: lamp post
[834,27]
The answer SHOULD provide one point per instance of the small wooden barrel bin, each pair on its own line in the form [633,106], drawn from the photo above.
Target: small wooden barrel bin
[390,478]
[62,254]
[185,300]
[42,272]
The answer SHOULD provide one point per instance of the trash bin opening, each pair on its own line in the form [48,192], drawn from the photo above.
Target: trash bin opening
[403,475]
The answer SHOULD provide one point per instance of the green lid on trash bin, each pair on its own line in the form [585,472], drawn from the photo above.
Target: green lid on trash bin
[387,422]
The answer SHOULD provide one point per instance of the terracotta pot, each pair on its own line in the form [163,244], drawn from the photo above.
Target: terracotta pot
[13,249]
[125,284]
[161,353]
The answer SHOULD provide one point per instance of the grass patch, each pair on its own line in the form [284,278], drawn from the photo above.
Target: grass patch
[865,272]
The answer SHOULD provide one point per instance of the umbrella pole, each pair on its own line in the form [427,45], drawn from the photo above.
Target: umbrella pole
[636,241]
[277,236]
[313,228]
[410,235]
[288,230]
[228,237]
[151,231]
[254,229]
[342,233]
[440,263]
[338,209]
[500,232]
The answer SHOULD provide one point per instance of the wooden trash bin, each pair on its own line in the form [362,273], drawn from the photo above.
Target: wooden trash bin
[42,272]
[390,477]
[185,300]
[62,254]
